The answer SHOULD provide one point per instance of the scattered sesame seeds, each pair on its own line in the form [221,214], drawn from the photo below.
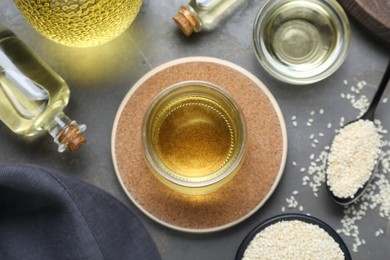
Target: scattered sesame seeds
[377,196]
[379,232]
[342,121]
[292,202]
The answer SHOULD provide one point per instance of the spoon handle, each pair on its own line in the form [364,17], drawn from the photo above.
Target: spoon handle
[382,86]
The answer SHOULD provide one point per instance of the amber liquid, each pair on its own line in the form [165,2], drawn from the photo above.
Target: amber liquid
[80,23]
[193,136]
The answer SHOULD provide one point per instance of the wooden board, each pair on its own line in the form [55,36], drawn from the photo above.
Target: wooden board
[374,15]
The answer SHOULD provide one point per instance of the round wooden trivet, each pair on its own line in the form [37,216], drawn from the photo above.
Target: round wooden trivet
[238,199]
[372,14]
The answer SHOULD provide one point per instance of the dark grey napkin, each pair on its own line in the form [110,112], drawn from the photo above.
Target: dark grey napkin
[48,215]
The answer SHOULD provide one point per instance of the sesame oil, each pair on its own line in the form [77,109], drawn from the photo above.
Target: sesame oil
[300,36]
[33,96]
[194,136]
[24,100]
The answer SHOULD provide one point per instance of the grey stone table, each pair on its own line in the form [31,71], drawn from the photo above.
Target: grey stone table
[99,78]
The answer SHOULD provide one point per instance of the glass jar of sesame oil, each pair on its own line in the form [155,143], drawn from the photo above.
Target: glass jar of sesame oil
[194,137]
[79,23]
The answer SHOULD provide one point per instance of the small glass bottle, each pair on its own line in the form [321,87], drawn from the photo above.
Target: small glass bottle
[33,96]
[204,14]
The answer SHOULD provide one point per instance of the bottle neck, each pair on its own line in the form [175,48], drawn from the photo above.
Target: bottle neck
[66,133]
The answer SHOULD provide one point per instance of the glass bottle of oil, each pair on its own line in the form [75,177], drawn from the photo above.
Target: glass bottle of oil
[33,96]
[80,23]
[204,14]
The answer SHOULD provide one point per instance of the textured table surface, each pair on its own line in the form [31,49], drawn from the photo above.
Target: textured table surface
[100,77]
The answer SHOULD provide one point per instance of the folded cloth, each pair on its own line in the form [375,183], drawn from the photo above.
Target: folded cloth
[48,215]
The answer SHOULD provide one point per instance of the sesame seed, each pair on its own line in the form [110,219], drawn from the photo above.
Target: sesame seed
[294,163]
[288,238]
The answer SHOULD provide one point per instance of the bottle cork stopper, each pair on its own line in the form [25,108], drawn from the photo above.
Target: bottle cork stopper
[183,23]
[72,137]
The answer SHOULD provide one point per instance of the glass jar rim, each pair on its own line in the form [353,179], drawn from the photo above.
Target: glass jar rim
[149,152]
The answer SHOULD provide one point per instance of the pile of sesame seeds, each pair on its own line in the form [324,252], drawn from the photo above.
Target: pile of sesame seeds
[293,239]
[376,199]
[352,158]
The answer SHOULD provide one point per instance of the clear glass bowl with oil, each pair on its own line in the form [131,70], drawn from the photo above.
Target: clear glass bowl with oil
[194,137]
[301,41]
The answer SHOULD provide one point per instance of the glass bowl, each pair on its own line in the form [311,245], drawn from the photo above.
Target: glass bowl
[194,137]
[301,41]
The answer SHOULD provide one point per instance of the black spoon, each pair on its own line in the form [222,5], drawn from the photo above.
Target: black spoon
[368,115]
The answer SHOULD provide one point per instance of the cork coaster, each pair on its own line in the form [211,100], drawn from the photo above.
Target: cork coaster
[245,193]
